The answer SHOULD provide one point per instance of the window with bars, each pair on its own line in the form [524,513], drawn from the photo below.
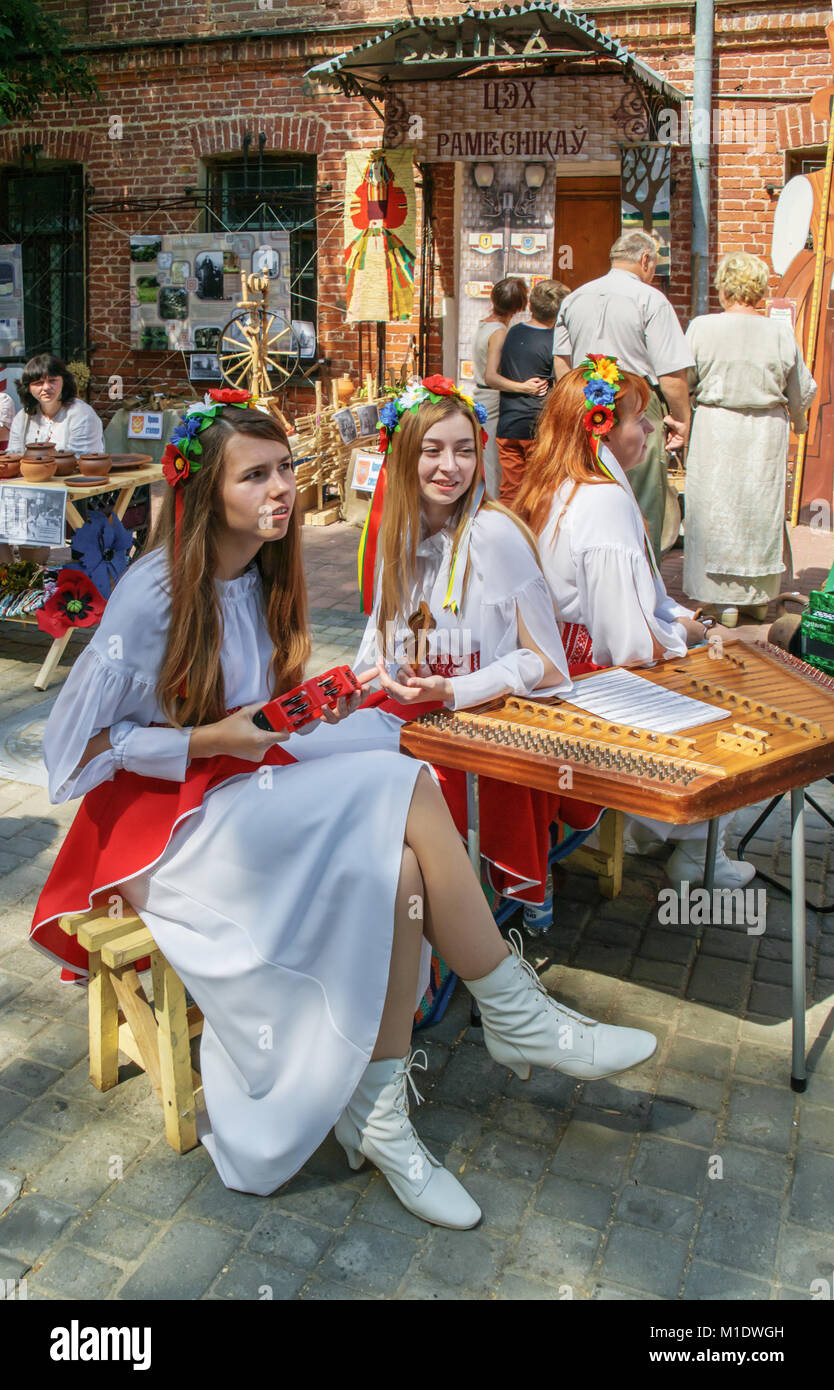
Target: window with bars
[269,193]
[42,209]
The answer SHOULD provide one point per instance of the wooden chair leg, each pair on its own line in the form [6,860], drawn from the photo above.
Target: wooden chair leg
[178,1100]
[139,1016]
[103,1011]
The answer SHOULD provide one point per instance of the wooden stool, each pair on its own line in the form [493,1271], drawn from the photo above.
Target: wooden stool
[607,861]
[156,1038]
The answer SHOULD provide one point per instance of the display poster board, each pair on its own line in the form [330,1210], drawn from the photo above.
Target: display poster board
[32,515]
[12,334]
[366,466]
[184,287]
[646,196]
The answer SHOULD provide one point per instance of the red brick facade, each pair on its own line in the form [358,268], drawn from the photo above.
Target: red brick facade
[189,77]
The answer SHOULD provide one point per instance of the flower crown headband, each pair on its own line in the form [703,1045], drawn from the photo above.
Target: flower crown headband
[602,380]
[182,455]
[432,388]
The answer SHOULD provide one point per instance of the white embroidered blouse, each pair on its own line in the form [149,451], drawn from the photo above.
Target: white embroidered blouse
[505,583]
[599,572]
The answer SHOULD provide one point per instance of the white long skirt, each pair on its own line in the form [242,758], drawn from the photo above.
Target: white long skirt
[735,506]
[274,903]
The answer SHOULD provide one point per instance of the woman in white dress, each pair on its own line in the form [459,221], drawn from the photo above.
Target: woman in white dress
[600,567]
[52,411]
[491,631]
[748,382]
[283,876]
[509,297]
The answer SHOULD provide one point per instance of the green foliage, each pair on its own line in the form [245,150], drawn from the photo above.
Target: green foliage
[33,62]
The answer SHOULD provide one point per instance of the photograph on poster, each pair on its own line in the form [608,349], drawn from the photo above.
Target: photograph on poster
[346,425]
[32,515]
[195,287]
[305,332]
[368,417]
[204,367]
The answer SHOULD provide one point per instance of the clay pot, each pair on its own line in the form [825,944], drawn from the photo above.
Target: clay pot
[344,389]
[10,465]
[40,451]
[66,461]
[37,470]
[94,465]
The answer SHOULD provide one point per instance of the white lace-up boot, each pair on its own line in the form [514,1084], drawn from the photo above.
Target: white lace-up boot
[524,1026]
[375,1125]
[686,865]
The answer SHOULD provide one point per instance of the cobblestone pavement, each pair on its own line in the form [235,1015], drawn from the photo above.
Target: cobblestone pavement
[699,1175]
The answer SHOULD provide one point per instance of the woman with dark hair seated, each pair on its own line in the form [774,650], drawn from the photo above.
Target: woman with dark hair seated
[52,412]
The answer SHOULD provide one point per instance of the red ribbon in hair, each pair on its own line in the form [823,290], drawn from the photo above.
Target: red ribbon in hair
[368,543]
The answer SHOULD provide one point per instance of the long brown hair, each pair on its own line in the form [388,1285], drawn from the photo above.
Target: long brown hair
[400,526]
[562,447]
[195,635]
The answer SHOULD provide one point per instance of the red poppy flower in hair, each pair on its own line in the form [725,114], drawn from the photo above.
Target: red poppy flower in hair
[599,419]
[227,396]
[175,466]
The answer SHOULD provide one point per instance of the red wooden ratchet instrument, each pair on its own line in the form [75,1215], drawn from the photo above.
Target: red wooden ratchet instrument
[306,702]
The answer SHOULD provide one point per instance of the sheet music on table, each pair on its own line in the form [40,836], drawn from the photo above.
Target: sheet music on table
[625,698]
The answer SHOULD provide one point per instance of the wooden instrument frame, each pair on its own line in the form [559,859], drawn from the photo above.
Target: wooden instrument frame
[778,735]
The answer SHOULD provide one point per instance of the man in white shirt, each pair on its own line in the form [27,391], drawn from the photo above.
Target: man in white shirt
[622,315]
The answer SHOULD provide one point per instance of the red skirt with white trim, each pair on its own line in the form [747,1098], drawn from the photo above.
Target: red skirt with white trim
[121,829]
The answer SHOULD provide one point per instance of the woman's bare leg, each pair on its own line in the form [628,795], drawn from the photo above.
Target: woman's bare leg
[457,918]
[394,1037]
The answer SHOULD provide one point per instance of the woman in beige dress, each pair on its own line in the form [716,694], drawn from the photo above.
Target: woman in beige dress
[748,381]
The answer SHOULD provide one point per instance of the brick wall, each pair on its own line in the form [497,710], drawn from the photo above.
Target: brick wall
[187,102]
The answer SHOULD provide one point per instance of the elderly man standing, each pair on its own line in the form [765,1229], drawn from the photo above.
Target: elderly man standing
[622,315]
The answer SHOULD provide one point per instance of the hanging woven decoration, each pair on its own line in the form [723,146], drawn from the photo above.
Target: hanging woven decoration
[380,235]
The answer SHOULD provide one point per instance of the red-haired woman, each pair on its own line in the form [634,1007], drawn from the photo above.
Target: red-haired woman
[492,629]
[278,873]
[594,551]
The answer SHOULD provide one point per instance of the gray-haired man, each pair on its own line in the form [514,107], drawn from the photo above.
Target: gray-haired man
[622,315]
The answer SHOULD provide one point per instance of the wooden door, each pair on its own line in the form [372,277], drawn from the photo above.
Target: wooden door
[588,220]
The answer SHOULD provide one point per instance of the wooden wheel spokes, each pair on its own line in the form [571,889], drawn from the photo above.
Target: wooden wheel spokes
[258,349]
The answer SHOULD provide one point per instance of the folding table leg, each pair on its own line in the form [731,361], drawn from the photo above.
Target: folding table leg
[798,1069]
[473,840]
[709,857]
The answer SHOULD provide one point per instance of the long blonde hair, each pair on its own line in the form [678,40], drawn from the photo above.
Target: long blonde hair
[195,636]
[400,526]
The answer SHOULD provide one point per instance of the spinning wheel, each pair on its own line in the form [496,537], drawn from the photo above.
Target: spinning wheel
[257,349]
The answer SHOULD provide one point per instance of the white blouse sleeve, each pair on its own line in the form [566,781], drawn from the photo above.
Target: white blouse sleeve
[617,592]
[112,685]
[17,432]
[85,434]
[97,696]
[514,588]
[7,411]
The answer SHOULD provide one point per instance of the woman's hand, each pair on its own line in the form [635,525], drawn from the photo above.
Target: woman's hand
[235,736]
[416,685]
[695,631]
[348,704]
[535,386]
[677,432]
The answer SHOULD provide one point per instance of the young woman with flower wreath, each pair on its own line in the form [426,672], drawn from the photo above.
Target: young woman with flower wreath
[598,561]
[492,626]
[283,876]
